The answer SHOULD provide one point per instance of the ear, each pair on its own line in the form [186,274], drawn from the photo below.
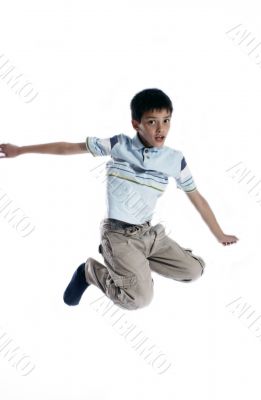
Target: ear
[135,124]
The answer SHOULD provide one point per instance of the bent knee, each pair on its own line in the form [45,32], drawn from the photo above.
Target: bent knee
[142,296]
[145,300]
[196,270]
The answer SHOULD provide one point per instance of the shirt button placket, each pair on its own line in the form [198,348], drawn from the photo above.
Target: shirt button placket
[146,153]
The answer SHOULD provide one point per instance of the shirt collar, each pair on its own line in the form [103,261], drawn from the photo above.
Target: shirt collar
[137,144]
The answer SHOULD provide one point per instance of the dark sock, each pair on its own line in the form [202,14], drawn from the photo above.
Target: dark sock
[76,287]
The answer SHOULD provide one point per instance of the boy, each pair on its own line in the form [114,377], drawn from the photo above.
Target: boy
[137,175]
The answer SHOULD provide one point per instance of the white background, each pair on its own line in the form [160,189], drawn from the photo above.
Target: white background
[87,60]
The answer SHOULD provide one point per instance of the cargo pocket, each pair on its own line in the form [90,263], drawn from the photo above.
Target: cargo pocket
[125,282]
[110,250]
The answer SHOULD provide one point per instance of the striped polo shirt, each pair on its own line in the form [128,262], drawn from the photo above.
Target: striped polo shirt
[136,175]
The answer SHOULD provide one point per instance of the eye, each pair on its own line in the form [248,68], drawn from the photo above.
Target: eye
[167,119]
[151,121]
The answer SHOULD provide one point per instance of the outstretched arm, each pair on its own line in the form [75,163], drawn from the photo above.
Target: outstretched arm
[58,148]
[208,216]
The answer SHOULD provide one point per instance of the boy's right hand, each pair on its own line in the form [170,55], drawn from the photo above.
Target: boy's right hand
[8,150]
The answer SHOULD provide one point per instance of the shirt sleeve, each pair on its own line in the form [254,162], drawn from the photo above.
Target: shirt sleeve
[184,179]
[99,146]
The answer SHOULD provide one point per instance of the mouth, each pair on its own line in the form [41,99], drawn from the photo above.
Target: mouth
[159,138]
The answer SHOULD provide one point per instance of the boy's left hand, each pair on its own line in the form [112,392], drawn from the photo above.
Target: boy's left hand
[227,239]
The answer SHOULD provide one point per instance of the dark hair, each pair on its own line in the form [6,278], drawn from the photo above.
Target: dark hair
[149,100]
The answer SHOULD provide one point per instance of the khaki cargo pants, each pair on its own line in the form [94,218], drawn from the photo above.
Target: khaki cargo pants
[130,253]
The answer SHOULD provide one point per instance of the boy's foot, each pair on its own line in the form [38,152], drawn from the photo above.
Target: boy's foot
[76,287]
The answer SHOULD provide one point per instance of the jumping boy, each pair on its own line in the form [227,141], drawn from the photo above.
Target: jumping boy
[137,175]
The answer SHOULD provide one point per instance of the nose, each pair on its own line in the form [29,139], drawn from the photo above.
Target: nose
[159,127]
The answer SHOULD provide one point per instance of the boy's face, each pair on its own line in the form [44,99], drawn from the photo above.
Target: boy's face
[153,127]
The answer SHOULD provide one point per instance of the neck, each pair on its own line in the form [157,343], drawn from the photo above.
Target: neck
[142,141]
